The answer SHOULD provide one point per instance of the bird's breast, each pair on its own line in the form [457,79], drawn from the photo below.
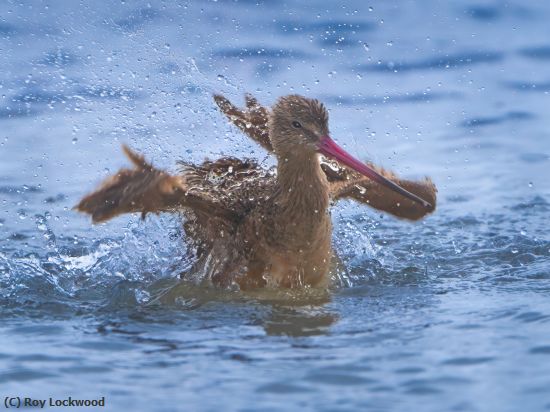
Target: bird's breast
[300,258]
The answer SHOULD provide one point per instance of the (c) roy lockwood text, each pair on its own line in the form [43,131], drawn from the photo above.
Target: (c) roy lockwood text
[17,402]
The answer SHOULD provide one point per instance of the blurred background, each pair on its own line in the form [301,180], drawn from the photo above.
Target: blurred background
[447,314]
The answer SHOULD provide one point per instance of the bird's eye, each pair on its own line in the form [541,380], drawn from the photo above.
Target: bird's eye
[296,124]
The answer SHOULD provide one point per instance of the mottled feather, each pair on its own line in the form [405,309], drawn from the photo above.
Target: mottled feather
[344,183]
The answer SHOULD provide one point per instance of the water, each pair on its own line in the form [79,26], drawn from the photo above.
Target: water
[451,313]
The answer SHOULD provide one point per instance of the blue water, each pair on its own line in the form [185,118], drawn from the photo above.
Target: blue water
[451,313]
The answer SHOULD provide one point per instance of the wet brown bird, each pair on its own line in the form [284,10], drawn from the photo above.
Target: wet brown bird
[255,227]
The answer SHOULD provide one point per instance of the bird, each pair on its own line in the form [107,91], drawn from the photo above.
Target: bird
[254,227]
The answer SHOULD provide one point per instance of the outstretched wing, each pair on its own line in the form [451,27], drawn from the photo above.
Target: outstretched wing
[344,183]
[252,121]
[146,189]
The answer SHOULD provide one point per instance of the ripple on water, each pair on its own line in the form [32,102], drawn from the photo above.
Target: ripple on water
[540,350]
[7,30]
[483,13]
[282,388]
[410,370]
[407,97]
[512,116]
[529,86]
[104,346]
[38,330]
[445,62]
[538,203]
[468,361]
[84,369]
[21,374]
[261,53]
[432,386]
[459,198]
[538,53]
[39,357]
[528,317]
[421,387]
[534,157]
[293,322]
[337,378]
[338,27]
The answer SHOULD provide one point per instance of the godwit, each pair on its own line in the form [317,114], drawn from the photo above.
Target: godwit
[254,227]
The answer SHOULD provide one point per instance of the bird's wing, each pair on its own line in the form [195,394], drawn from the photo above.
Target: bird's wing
[252,120]
[146,189]
[237,184]
[344,183]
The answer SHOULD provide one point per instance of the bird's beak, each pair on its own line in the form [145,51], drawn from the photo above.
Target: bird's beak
[329,148]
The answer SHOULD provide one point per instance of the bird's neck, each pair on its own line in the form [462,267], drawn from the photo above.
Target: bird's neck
[303,192]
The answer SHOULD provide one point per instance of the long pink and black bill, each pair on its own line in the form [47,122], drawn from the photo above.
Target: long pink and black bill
[328,147]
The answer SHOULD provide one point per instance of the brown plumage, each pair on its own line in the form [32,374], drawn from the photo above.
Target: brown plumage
[255,227]
[344,182]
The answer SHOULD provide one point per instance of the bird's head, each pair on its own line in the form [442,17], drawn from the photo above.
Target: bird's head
[299,126]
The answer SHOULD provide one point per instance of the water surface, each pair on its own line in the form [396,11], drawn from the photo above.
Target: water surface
[451,313]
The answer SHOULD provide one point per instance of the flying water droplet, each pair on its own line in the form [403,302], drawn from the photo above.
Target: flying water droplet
[47,233]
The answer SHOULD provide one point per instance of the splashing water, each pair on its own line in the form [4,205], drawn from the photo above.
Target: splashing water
[422,316]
